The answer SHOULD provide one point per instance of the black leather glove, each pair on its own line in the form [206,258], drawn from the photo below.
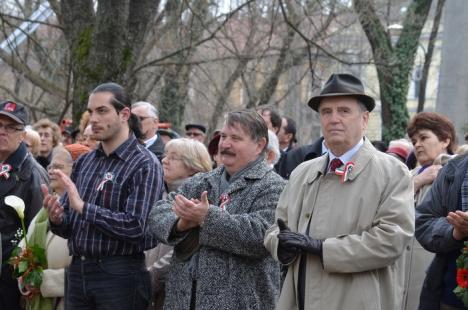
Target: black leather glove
[286,254]
[292,240]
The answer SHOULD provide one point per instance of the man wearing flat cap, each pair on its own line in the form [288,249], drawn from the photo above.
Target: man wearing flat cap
[196,132]
[20,175]
[344,218]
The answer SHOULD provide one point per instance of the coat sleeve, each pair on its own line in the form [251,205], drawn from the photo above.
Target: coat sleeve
[433,231]
[381,244]
[162,218]
[242,234]
[271,236]
[53,283]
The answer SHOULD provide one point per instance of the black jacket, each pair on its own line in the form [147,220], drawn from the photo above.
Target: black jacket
[157,148]
[295,157]
[434,232]
[24,181]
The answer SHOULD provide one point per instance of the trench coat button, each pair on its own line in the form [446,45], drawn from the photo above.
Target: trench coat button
[307,215]
[408,247]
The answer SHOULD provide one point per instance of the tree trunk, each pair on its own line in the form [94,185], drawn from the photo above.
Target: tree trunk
[104,44]
[393,64]
[428,56]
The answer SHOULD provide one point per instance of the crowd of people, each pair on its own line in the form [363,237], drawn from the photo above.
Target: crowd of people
[134,216]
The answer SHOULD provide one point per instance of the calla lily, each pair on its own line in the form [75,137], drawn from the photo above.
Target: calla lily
[16,203]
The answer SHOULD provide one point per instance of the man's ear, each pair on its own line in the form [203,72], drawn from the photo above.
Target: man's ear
[125,114]
[261,144]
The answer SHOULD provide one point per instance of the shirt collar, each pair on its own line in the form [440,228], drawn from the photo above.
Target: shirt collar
[151,141]
[324,147]
[123,151]
[17,157]
[346,157]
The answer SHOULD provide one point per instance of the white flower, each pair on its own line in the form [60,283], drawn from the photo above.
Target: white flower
[16,203]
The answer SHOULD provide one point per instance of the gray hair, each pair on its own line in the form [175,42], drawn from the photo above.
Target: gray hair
[251,122]
[151,109]
[273,145]
[362,106]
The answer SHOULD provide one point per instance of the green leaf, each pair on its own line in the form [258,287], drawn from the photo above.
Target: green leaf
[465,262]
[16,251]
[22,267]
[39,255]
[459,292]
[465,299]
[34,278]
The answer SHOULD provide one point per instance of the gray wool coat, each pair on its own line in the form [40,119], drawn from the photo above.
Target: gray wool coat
[232,268]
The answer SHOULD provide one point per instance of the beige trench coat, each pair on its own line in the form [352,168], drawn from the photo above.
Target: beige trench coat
[366,223]
[416,260]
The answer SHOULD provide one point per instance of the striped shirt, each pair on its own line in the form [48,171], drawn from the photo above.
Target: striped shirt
[119,191]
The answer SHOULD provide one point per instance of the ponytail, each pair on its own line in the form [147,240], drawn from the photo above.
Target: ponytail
[135,126]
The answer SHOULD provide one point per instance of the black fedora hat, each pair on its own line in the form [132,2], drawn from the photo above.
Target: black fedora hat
[343,84]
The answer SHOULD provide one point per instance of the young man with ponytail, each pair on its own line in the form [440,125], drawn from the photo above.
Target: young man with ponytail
[104,211]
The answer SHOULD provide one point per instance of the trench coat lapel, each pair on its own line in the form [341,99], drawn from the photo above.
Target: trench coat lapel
[361,159]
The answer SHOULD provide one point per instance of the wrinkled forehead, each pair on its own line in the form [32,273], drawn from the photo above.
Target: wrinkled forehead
[235,128]
[337,102]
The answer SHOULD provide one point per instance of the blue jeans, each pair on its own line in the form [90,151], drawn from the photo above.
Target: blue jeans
[113,283]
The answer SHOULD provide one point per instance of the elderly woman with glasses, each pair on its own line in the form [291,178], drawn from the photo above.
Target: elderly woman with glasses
[182,159]
[50,294]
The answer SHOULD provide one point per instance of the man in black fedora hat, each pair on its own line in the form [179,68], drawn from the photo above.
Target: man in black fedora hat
[20,175]
[344,218]
[338,84]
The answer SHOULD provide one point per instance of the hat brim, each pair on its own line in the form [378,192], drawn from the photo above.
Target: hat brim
[368,101]
[199,127]
[13,117]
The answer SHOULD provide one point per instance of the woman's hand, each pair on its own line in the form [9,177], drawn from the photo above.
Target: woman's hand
[426,177]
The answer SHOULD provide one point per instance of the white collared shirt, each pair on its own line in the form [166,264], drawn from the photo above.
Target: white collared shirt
[151,141]
[346,157]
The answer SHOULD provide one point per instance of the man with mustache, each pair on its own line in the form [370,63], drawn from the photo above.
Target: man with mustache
[105,209]
[344,218]
[217,221]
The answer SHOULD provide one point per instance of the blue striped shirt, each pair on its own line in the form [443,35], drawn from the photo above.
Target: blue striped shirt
[115,212]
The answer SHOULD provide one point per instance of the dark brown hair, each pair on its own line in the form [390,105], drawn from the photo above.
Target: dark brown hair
[120,101]
[251,122]
[439,124]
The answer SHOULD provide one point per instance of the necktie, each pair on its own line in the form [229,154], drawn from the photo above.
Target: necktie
[335,163]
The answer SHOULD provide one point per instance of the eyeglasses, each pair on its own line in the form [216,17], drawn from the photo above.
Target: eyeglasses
[142,118]
[193,134]
[10,128]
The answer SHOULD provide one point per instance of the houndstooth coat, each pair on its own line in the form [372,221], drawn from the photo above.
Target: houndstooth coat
[232,267]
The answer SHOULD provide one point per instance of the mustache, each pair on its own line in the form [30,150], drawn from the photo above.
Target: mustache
[227,152]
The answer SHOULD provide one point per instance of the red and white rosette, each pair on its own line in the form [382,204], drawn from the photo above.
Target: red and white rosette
[344,172]
[224,199]
[5,171]
[108,177]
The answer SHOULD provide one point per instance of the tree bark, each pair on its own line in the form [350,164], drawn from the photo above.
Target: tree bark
[428,56]
[104,44]
[393,64]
